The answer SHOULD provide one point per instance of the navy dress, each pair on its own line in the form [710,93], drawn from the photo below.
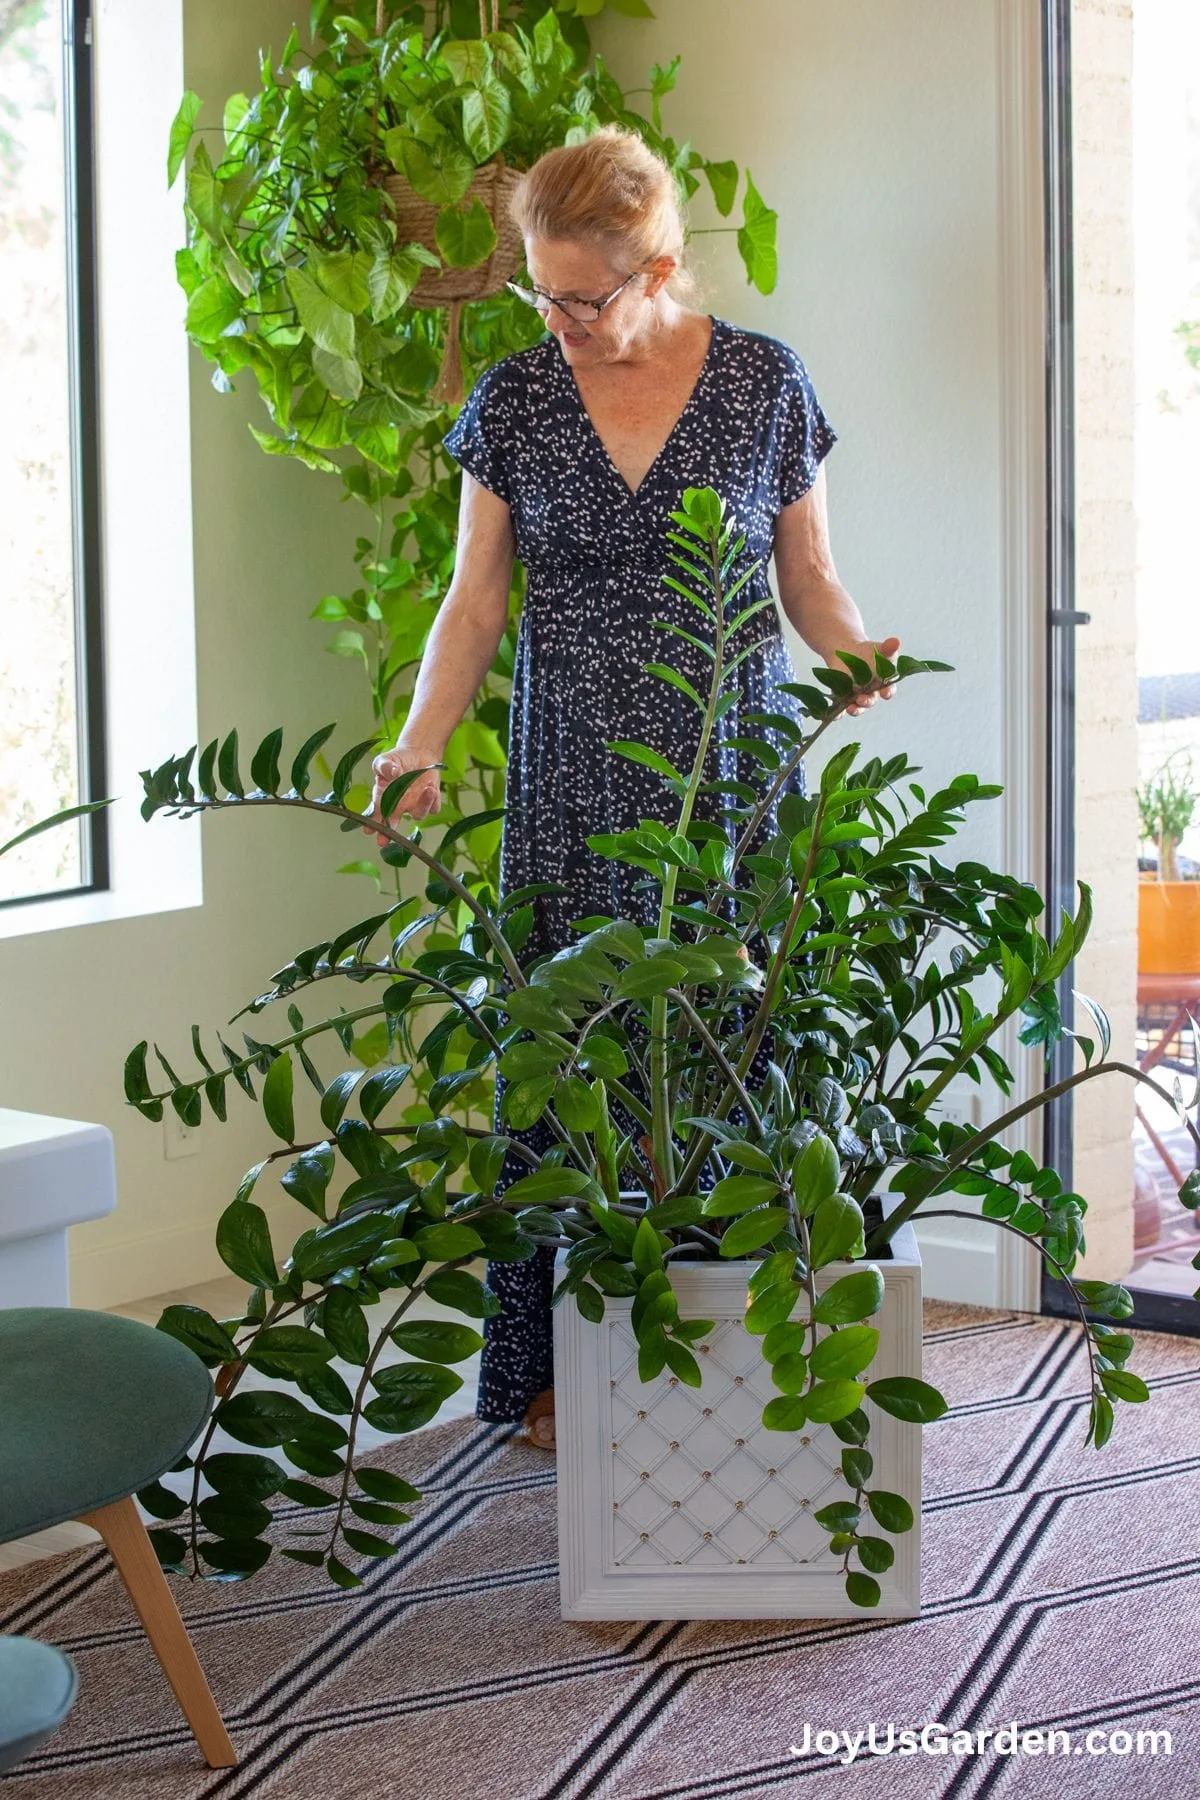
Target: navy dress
[594,553]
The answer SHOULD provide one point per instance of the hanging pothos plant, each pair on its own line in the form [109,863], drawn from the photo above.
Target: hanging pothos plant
[298,270]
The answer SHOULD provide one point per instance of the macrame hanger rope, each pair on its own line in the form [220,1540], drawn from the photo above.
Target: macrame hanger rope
[449,385]
[379,19]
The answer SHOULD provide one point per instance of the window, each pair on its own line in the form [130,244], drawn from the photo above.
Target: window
[51,727]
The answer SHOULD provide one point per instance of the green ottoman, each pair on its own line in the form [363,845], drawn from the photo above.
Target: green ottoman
[93,1407]
[37,1691]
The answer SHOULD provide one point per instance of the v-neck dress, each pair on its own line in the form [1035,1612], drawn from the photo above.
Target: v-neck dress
[594,553]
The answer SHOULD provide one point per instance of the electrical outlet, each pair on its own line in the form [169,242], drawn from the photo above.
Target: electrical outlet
[179,1139]
[959,1106]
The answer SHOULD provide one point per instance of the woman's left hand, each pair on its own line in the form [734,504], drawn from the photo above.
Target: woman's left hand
[865,650]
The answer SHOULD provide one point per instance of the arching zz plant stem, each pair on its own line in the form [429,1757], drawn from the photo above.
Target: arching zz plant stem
[730,1077]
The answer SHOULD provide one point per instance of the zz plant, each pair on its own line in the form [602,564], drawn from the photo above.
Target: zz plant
[735,1078]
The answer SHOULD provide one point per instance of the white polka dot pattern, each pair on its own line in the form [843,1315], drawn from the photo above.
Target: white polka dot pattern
[595,554]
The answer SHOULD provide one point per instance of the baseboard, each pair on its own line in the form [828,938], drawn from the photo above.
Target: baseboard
[958,1267]
[118,1274]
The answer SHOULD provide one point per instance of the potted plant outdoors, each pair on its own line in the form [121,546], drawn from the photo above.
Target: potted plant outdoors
[298,271]
[1168,908]
[726,1087]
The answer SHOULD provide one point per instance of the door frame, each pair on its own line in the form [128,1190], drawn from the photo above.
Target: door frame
[1152,1311]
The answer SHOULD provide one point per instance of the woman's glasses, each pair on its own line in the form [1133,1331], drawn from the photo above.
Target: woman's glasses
[583,312]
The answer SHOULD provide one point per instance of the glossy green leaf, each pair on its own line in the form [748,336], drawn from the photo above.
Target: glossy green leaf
[784,1340]
[277,1102]
[753,1230]
[200,1332]
[229,1516]
[816,1172]
[240,1473]
[437,1340]
[647,1248]
[835,1229]
[830,1400]
[771,1308]
[337,1246]
[847,1351]
[790,1373]
[1123,1384]
[736,1194]
[892,1511]
[682,1363]
[463,1292]
[448,1242]
[643,980]
[486,119]
[345,1326]
[244,1243]
[851,1298]
[381,1484]
[263,1418]
[857,1466]
[283,1350]
[785,1413]
[906,1398]
[409,1396]
[862,1590]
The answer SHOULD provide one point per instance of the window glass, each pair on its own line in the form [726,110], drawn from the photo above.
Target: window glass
[40,700]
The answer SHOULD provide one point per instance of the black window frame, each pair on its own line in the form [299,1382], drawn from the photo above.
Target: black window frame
[82,313]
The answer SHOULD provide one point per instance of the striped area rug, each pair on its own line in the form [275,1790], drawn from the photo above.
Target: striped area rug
[1062,1591]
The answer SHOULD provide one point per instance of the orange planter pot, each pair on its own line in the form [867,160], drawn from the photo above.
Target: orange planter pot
[1169,927]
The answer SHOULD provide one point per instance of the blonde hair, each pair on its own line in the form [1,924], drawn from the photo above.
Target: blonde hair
[610,190]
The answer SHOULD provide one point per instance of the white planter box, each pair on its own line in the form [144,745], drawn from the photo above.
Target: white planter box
[54,1173]
[675,1503]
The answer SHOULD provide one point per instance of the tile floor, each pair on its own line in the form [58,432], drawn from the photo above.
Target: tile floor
[224,1298]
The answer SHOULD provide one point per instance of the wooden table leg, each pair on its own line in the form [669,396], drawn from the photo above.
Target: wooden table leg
[121,1527]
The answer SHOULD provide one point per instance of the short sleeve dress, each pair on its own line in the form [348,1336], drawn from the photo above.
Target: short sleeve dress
[594,552]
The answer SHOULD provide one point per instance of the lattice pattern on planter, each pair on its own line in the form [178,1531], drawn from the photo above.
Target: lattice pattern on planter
[696,1479]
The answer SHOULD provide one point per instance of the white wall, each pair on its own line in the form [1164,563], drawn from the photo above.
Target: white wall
[874,127]
[871,126]
[269,539]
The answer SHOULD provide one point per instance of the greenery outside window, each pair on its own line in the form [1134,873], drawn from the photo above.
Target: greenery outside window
[51,724]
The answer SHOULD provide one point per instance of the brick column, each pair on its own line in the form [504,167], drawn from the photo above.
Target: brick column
[1107,698]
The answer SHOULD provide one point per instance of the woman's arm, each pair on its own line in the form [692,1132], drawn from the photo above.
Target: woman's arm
[812,597]
[460,650]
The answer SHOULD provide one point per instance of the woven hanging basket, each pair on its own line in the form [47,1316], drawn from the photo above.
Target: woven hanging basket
[416,222]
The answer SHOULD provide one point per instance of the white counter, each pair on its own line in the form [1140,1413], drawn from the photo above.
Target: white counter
[54,1173]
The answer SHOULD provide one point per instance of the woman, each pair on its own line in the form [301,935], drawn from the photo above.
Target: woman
[573,454]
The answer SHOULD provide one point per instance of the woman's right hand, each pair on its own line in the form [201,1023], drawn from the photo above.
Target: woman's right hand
[422,797]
